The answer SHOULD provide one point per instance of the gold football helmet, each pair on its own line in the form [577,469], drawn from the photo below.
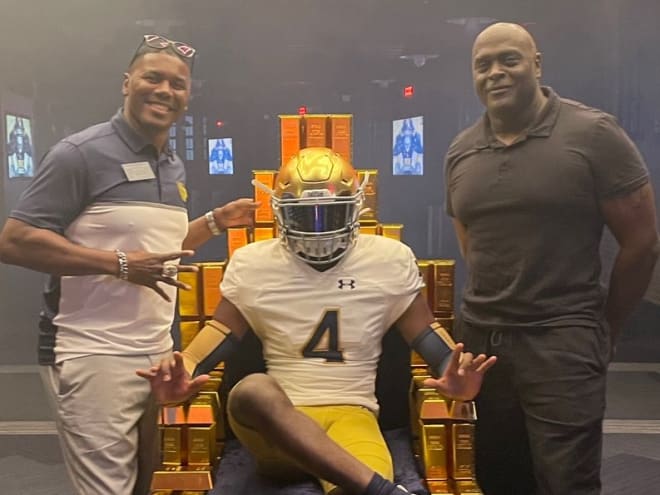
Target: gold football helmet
[317,201]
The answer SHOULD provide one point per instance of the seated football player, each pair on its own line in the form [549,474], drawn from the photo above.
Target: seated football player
[320,298]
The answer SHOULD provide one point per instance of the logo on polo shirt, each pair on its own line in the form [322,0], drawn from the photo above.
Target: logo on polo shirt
[183,192]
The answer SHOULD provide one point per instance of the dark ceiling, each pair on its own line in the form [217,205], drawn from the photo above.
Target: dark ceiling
[72,52]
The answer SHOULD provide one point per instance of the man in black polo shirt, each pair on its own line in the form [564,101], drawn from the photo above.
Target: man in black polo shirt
[106,217]
[530,187]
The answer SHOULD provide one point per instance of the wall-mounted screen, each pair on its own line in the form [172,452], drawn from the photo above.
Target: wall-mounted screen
[408,146]
[221,156]
[19,146]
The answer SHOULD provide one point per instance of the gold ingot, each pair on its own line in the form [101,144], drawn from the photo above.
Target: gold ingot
[341,135]
[197,478]
[462,451]
[369,229]
[201,445]
[463,410]
[172,445]
[391,230]
[467,487]
[188,330]
[443,291]
[416,360]
[172,415]
[189,299]
[426,269]
[290,136]
[237,237]
[316,131]
[262,233]
[434,451]
[440,488]
[212,274]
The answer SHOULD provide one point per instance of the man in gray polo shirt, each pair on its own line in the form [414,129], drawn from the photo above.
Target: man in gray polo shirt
[530,187]
[106,217]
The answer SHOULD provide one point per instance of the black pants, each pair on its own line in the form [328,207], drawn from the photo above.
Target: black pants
[540,410]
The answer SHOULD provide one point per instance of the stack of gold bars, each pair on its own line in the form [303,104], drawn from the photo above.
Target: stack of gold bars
[192,435]
[443,436]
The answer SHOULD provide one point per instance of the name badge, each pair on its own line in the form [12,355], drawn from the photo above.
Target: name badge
[138,171]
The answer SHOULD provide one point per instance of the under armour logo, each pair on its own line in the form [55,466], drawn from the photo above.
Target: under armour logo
[346,282]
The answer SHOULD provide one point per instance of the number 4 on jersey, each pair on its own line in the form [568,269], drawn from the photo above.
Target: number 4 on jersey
[330,350]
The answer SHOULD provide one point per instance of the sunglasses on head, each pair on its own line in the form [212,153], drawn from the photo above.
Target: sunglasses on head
[157,42]
[160,43]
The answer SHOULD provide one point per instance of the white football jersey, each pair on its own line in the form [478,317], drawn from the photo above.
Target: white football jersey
[321,331]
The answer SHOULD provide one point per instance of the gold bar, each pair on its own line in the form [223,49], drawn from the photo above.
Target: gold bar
[262,233]
[172,445]
[263,214]
[369,229]
[189,299]
[316,131]
[416,360]
[217,412]
[212,385]
[201,445]
[341,132]
[290,136]
[370,195]
[430,405]
[175,415]
[447,323]
[392,230]
[182,478]
[426,269]
[201,410]
[440,488]
[237,237]
[467,487]
[463,410]
[188,330]
[434,450]
[444,285]
[462,456]
[211,277]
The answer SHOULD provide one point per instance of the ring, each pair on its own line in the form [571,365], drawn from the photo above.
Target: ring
[170,271]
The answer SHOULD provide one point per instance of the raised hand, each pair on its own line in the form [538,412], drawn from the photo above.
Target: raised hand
[236,213]
[463,376]
[170,382]
[148,269]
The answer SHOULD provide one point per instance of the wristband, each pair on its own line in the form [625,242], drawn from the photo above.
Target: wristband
[210,221]
[123,265]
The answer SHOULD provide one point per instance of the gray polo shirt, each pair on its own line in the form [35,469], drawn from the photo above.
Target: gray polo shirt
[533,217]
[107,188]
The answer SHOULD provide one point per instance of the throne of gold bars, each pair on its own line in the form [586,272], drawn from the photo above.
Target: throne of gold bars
[440,431]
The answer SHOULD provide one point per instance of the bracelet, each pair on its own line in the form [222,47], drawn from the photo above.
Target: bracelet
[123,265]
[210,221]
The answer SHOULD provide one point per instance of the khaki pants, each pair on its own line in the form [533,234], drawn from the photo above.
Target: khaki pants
[107,422]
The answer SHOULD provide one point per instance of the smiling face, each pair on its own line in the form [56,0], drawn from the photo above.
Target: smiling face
[505,68]
[156,92]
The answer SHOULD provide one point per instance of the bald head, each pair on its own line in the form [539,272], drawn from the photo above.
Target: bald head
[506,69]
[505,31]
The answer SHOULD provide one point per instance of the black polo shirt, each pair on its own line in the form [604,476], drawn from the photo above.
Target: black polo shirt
[532,213]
